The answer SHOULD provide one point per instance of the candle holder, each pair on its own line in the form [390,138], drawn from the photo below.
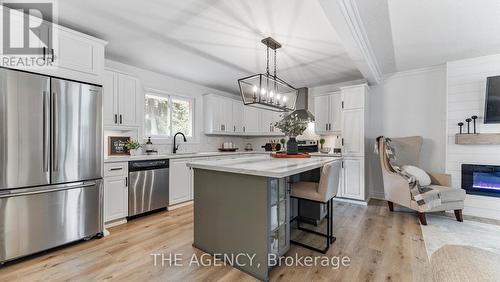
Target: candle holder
[468,125]
[460,124]
[474,121]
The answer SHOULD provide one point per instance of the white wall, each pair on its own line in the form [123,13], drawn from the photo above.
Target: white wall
[410,103]
[465,98]
[152,80]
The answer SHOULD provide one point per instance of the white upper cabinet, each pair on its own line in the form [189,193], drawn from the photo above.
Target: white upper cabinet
[226,116]
[266,121]
[251,120]
[327,110]
[75,52]
[218,113]
[353,120]
[353,137]
[354,97]
[120,99]
[71,54]
[109,98]
[238,116]
[128,89]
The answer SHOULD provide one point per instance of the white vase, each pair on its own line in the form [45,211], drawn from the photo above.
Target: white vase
[133,152]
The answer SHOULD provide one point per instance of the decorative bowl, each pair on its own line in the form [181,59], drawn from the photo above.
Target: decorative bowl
[325,150]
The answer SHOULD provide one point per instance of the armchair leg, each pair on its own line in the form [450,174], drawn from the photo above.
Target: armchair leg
[459,216]
[422,218]
[391,206]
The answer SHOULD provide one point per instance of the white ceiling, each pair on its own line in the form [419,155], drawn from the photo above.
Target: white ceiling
[432,32]
[215,42]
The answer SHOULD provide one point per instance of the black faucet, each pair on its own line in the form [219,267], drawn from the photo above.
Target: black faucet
[174,150]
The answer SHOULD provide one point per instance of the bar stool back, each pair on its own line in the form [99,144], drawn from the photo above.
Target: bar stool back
[322,192]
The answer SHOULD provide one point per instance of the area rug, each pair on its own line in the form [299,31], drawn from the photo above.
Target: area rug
[462,251]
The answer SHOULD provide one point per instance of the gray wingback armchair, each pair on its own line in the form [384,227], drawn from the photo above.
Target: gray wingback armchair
[396,187]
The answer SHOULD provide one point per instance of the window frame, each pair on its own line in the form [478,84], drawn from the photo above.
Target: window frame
[170,96]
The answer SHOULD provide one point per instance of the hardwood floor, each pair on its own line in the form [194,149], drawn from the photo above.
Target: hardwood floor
[382,246]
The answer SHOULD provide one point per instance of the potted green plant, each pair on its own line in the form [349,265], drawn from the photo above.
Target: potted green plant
[283,142]
[132,146]
[322,142]
[292,126]
[323,149]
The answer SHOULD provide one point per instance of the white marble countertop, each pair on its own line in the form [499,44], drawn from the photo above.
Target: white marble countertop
[180,156]
[326,155]
[262,165]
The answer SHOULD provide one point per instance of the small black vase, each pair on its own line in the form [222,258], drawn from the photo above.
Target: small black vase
[291,146]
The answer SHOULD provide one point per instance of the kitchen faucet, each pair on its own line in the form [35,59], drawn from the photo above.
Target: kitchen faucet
[176,147]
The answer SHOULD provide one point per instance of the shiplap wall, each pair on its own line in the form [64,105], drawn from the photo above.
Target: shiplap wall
[466,89]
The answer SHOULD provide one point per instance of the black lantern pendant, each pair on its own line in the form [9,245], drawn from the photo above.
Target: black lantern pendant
[267,90]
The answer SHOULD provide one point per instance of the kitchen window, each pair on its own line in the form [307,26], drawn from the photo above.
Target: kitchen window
[164,115]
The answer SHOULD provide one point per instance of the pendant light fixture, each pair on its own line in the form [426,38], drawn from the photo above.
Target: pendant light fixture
[268,91]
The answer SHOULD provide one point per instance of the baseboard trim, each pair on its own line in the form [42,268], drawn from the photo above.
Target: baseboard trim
[176,206]
[357,202]
[115,223]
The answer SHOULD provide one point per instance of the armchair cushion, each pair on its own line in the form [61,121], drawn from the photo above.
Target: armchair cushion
[449,194]
[422,176]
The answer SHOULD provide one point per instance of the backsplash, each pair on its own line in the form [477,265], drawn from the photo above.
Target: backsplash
[206,143]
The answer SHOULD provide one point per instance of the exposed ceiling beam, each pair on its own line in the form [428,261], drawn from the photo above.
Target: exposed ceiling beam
[346,20]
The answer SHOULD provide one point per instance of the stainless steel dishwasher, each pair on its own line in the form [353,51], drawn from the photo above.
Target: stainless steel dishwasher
[148,186]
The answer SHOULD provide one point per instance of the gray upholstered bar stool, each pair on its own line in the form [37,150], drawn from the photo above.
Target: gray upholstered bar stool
[322,192]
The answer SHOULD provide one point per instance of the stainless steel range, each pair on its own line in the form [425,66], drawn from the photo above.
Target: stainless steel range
[50,162]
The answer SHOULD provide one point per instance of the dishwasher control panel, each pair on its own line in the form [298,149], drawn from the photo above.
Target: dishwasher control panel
[147,165]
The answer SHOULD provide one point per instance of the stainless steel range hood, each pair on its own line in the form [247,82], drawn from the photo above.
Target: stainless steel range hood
[302,105]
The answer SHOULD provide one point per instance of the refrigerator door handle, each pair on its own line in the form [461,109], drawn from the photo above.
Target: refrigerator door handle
[46,141]
[32,191]
[55,133]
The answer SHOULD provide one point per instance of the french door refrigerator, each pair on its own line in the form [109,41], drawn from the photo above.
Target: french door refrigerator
[50,162]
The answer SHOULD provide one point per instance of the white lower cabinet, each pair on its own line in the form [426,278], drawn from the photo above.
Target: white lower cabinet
[115,198]
[115,191]
[353,179]
[180,182]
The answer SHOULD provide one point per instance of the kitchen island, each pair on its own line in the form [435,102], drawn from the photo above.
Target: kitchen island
[242,208]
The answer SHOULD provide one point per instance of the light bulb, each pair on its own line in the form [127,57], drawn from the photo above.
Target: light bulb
[278,96]
[263,92]
[254,89]
[284,99]
[271,94]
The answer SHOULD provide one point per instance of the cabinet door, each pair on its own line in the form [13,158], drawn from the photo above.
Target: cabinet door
[75,52]
[180,182]
[353,97]
[237,117]
[109,99]
[266,119]
[321,115]
[353,132]
[251,120]
[335,113]
[227,112]
[276,116]
[353,178]
[127,100]
[115,198]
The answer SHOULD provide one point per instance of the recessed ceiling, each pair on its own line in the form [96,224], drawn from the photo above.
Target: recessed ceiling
[215,42]
[432,32]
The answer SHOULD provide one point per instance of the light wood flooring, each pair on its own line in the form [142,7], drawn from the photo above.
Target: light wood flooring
[382,246]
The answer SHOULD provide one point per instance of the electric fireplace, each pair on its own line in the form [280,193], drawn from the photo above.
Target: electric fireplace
[481,179]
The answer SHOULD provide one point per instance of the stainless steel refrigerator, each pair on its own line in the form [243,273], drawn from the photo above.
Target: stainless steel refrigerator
[50,162]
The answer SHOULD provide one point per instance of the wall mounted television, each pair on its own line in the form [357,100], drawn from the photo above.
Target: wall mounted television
[492,108]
